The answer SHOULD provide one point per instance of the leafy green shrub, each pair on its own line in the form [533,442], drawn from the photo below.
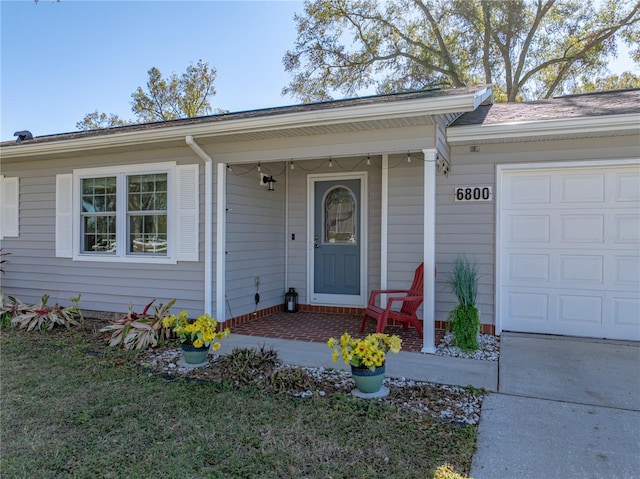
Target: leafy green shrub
[41,316]
[464,319]
[139,330]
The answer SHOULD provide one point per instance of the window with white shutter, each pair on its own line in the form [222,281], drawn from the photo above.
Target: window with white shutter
[134,213]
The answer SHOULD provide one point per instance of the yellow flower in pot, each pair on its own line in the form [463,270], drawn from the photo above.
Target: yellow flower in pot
[196,336]
[366,357]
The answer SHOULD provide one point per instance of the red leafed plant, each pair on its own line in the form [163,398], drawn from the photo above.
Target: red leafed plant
[139,330]
[42,316]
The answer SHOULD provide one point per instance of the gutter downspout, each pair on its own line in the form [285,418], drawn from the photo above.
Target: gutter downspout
[208,221]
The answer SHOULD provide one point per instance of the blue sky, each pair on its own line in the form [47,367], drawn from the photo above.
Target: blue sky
[60,61]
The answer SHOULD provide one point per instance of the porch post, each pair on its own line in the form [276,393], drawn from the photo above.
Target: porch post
[221,240]
[429,195]
[384,227]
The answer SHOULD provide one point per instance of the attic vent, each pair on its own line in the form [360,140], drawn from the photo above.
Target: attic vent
[23,135]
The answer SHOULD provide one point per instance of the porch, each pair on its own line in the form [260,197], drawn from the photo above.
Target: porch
[317,327]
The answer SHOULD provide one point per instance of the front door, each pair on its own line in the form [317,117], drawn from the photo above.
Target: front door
[337,241]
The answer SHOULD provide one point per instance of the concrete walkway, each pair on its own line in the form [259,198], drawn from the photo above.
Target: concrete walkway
[565,407]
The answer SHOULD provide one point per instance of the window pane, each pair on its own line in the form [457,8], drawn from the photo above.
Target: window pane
[99,234]
[147,192]
[99,194]
[148,234]
[340,216]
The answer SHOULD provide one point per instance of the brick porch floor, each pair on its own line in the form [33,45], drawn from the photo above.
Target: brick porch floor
[319,327]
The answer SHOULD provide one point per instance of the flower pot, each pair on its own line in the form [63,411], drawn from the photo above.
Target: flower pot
[368,381]
[193,355]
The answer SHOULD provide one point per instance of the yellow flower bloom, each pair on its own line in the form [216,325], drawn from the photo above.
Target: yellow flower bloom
[216,346]
[370,351]
[197,343]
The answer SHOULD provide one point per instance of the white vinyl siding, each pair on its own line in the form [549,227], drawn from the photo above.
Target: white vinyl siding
[35,268]
[255,239]
[9,207]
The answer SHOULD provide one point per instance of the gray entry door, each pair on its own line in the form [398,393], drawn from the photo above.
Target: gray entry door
[337,238]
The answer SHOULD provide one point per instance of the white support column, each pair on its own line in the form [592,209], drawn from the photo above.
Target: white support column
[429,195]
[384,225]
[221,241]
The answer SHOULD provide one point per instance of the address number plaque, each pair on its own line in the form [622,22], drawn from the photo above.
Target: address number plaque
[473,193]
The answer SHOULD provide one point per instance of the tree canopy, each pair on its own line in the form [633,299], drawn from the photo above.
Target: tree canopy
[528,49]
[184,96]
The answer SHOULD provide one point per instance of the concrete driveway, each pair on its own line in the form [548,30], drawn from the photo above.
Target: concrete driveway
[565,407]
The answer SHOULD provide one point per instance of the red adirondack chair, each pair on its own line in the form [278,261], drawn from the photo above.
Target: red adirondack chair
[411,301]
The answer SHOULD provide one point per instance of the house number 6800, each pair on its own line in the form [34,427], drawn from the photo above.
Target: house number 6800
[474,193]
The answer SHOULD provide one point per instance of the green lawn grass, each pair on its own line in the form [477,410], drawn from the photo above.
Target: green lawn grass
[68,412]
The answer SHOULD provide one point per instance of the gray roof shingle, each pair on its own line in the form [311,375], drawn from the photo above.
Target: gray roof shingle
[613,102]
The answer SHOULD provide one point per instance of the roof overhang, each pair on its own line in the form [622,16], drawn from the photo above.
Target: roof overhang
[565,128]
[279,124]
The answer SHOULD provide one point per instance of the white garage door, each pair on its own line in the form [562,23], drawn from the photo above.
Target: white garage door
[569,250]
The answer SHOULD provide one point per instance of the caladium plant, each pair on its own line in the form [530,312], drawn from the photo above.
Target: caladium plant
[139,330]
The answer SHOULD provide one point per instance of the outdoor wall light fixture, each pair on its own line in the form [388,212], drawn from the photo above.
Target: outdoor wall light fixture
[269,181]
[443,166]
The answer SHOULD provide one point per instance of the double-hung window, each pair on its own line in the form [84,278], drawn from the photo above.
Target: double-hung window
[141,213]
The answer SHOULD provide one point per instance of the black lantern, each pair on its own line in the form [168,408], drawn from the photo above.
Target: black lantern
[291,301]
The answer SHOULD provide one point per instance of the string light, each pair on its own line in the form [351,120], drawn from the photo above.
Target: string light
[368,160]
[408,157]
[292,165]
[330,163]
[259,169]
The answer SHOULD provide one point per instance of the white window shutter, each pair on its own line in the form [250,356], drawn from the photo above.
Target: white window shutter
[188,217]
[9,203]
[64,216]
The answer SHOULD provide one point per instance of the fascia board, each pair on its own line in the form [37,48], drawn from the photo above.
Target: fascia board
[368,112]
[570,127]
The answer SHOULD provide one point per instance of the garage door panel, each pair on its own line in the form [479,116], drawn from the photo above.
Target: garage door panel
[580,188]
[627,271]
[627,229]
[625,312]
[586,310]
[582,269]
[526,306]
[530,189]
[571,265]
[581,228]
[529,229]
[627,186]
[528,268]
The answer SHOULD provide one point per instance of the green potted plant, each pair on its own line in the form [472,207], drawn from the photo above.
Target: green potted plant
[464,319]
[366,357]
[196,337]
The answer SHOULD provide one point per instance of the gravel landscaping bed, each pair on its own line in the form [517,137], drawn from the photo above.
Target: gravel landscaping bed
[442,402]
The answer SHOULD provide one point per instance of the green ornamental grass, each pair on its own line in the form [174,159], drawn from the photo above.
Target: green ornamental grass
[464,319]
